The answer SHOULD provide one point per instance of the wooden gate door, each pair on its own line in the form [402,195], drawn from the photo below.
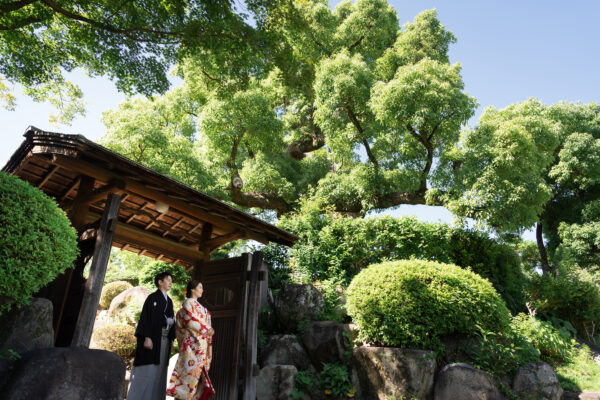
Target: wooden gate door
[228,289]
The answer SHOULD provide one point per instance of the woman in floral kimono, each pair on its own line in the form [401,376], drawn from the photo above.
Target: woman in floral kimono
[194,335]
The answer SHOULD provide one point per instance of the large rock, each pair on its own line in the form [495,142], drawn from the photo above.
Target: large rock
[284,350]
[296,304]
[275,382]
[462,381]
[67,373]
[118,305]
[537,381]
[387,372]
[28,328]
[326,342]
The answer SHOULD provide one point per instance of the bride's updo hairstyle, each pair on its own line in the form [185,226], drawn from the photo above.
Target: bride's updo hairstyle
[191,285]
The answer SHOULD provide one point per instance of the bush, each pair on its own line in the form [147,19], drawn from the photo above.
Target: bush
[112,290]
[304,384]
[336,248]
[572,296]
[335,381]
[37,242]
[414,303]
[334,298]
[122,276]
[553,344]
[118,338]
[501,353]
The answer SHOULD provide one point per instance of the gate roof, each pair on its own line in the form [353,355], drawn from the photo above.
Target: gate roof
[159,217]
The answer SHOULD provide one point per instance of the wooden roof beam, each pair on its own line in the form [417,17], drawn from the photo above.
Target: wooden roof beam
[47,177]
[155,221]
[115,186]
[67,192]
[173,227]
[219,241]
[139,237]
[182,207]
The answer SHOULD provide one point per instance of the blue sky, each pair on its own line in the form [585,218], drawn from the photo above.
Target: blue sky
[509,51]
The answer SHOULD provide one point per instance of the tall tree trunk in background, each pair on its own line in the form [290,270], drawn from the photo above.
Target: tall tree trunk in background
[542,249]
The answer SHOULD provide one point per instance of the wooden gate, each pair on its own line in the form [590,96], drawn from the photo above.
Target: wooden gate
[231,290]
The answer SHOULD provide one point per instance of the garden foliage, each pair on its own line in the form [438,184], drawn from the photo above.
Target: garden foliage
[415,303]
[554,345]
[37,242]
[118,338]
[179,274]
[573,296]
[337,249]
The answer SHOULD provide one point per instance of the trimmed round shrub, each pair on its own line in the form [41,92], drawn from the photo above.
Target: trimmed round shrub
[118,338]
[415,303]
[112,290]
[37,241]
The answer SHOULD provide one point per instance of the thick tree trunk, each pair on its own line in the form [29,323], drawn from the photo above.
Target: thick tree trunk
[542,249]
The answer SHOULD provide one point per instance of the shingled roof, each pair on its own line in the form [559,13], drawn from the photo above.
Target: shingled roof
[192,225]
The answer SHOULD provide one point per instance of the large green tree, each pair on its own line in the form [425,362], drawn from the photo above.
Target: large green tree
[350,110]
[535,165]
[347,102]
[132,42]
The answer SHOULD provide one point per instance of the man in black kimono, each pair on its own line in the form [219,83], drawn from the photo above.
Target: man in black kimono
[155,333]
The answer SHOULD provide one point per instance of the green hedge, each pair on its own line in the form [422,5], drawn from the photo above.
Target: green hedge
[415,303]
[339,248]
[37,242]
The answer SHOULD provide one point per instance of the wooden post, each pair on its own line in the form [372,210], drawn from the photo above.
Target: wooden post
[93,286]
[76,215]
[250,366]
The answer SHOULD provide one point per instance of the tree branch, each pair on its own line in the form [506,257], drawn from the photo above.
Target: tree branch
[542,249]
[233,154]
[21,24]
[358,127]
[260,200]
[312,34]
[386,200]
[357,43]
[208,76]
[297,150]
[14,6]
[429,148]
[103,26]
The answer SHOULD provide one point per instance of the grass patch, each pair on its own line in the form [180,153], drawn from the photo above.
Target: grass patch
[580,372]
